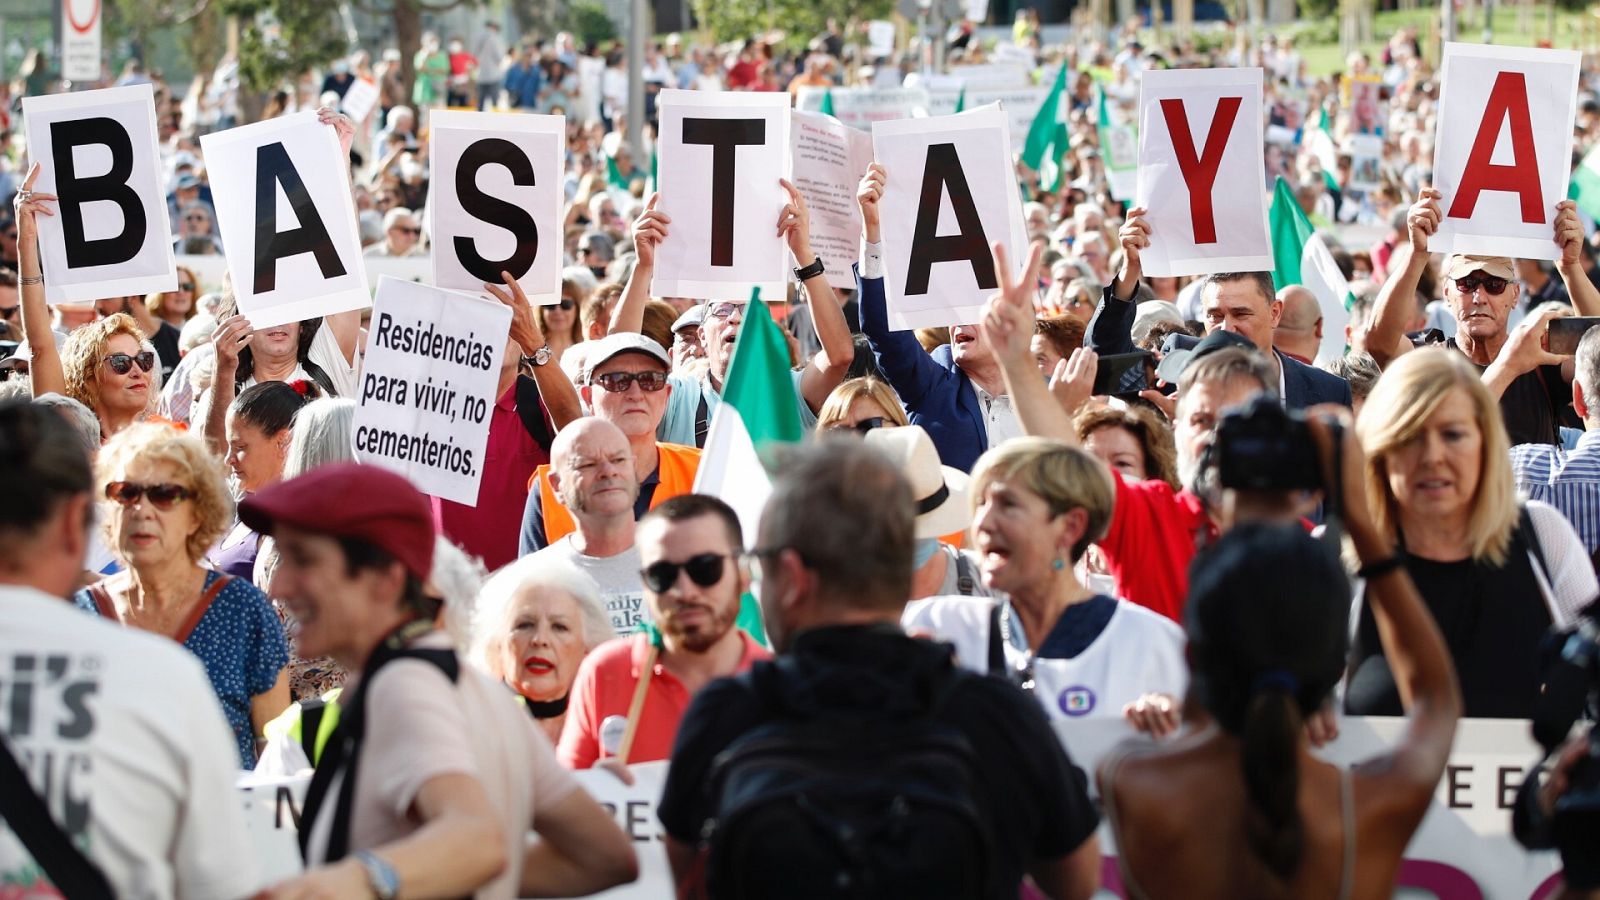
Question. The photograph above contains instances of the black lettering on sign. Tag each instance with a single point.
(1508, 780)
(272, 169)
(1458, 784)
(724, 136)
(494, 210)
(285, 798)
(74, 191)
(943, 172)
(638, 818)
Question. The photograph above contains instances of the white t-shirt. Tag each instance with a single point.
(1136, 653)
(122, 734)
(325, 353)
(420, 726)
(621, 587)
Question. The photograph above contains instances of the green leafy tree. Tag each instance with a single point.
(280, 39)
(589, 23)
(732, 20)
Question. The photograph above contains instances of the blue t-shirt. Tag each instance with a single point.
(241, 643)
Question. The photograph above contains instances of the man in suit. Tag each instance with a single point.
(1238, 302)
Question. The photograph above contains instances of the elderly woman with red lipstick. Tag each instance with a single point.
(536, 619)
(166, 502)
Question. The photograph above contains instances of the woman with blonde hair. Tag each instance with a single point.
(107, 368)
(861, 404)
(1494, 573)
(167, 502)
(561, 324)
(178, 306)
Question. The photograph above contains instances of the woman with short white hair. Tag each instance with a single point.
(535, 621)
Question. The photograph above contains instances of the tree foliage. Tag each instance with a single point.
(589, 23)
(734, 20)
(280, 39)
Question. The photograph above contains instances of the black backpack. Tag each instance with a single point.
(860, 804)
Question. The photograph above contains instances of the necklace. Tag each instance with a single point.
(547, 709)
(1022, 674)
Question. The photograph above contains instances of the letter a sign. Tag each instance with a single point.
(1503, 149)
(1201, 172)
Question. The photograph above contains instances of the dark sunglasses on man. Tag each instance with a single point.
(161, 496)
(1489, 283)
(704, 569)
(617, 382)
(122, 363)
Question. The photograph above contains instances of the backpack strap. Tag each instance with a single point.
(530, 409)
(72, 873)
(965, 583)
(311, 713)
(702, 420)
(997, 651)
(199, 611)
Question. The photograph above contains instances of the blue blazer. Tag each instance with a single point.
(1111, 331)
(937, 394)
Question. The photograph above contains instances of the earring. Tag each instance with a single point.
(1058, 564)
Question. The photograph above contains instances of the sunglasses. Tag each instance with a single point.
(162, 496)
(122, 363)
(1489, 283)
(186, 286)
(566, 303)
(197, 218)
(704, 569)
(406, 230)
(617, 382)
(863, 426)
(723, 310)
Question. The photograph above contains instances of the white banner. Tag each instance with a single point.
(1021, 105)
(282, 193)
(860, 107)
(110, 236)
(880, 39)
(950, 192)
(359, 100)
(1463, 850)
(1503, 149)
(497, 200)
(80, 40)
(429, 385)
(720, 158)
(1201, 172)
(830, 159)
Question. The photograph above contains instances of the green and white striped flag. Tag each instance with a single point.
(1586, 185)
(1300, 257)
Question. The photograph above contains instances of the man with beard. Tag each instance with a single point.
(691, 548)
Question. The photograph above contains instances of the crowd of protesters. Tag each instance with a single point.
(971, 549)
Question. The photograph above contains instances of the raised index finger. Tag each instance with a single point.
(33, 175)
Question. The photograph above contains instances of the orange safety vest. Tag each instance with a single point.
(676, 464)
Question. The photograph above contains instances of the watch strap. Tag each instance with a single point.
(381, 877)
(810, 270)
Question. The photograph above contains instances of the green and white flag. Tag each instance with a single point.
(1119, 152)
(1586, 185)
(1301, 257)
(1318, 139)
(759, 410)
(1047, 136)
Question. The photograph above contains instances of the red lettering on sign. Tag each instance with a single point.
(1508, 98)
(1199, 174)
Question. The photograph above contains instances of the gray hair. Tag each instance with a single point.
(1587, 370)
(82, 419)
(1357, 368)
(321, 434)
(17, 387)
(457, 578)
(537, 570)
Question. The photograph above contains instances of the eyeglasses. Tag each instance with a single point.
(617, 382)
(404, 229)
(122, 363)
(186, 286)
(162, 496)
(197, 218)
(1489, 283)
(863, 426)
(723, 310)
(704, 569)
(566, 303)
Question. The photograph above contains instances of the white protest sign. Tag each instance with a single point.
(359, 99)
(949, 193)
(880, 39)
(272, 808)
(1463, 850)
(719, 160)
(859, 107)
(110, 236)
(1366, 162)
(634, 808)
(1201, 172)
(830, 159)
(429, 384)
(497, 200)
(1503, 149)
(993, 74)
(80, 40)
(1021, 105)
(282, 193)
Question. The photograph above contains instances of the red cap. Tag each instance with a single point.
(351, 500)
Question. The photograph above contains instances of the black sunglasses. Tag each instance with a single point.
(162, 496)
(863, 426)
(1489, 283)
(408, 230)
(617, 382)
(704, 569)
(566, 303)
(122, 363)
(186, 286)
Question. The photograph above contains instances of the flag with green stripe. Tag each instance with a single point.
(1300, 256)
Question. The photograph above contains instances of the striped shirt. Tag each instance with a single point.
(1567, 480)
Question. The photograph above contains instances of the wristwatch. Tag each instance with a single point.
(381, 877)
(811, 271)
(540, 356)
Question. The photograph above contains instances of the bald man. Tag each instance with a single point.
(1299, 331)
(592, 474)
